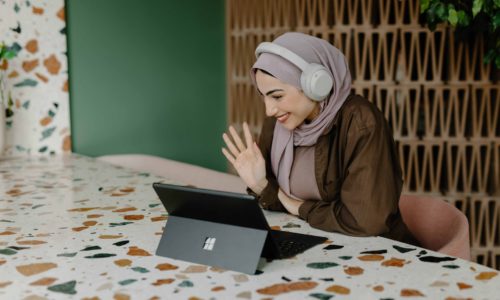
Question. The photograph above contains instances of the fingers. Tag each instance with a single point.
(256, 149)
(230, 145)
(235, 145)
(248, 135)
(228, 156)
(236, 139)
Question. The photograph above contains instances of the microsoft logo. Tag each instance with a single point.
(209, 244)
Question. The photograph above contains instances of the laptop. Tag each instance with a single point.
(223, 229)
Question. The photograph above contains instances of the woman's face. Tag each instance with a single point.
(285, 102)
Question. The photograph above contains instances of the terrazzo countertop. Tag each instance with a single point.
(75, 227)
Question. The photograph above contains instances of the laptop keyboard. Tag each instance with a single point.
(290, 244)
(290, 248)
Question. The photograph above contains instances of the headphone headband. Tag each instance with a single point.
(283, 52)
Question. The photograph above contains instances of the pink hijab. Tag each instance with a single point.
(312, 50)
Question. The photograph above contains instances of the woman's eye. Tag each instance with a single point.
(277, 97)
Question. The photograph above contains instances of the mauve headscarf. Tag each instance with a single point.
(312, 50)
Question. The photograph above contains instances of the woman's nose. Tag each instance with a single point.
(271, 108)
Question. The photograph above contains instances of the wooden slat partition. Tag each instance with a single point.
(442, 102)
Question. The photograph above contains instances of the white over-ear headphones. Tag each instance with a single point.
(315, 80)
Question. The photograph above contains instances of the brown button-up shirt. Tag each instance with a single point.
(357, 174)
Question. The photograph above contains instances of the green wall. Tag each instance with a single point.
(148, 77)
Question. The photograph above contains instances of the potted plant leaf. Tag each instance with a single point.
(469, 18)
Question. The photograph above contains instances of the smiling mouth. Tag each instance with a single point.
(282, 118)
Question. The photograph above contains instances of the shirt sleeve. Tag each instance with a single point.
(370, 187)
(268, 199)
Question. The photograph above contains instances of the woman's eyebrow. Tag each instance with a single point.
(272, 91)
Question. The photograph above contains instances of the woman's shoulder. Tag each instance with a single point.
(362, 112)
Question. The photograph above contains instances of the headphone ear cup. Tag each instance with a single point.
(316, 82)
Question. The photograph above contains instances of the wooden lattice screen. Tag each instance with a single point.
(441, 101)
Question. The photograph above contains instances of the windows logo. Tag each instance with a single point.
(209, 243)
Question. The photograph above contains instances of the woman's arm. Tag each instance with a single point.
(292, 205)
(268, 197)
(252, 166)
(371, 185)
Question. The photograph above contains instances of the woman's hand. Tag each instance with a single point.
(247, 160)
(292, 205)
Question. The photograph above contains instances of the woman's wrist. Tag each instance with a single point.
(291, 205)
(259, 187)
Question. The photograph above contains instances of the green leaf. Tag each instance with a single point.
(463, 18)
(441, 12)
(431, 19)
(489, 56)
(452, 17)
(424, 5)
(12, 51)
(9, 54)
(497, 3)
(495, 21)
(477, 5)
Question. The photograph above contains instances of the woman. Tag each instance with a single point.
(324, 155)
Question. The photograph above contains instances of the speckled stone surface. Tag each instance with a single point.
(36, 87)
(74, 227)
